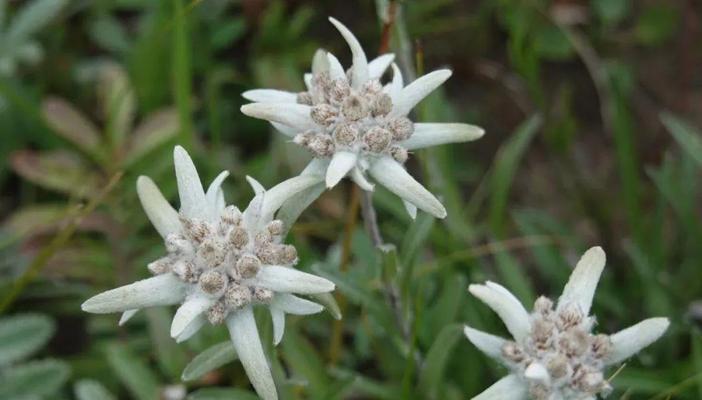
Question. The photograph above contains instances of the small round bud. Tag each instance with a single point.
(211, 252)
(238, 237)
(381, 105)
(237, 296)
(574, 342)
(569, 316)
(543, 305)
(268, 254)
(377, 139)
(538, 391)
(217, 313)
(231, 215)
(354, 108)
(322, 146)
(195, 229)
(262, 295)
(276, 227)
(248, 266)
(185, 270)
(402, 128)
(324, 114)
(177, 243)
(345, 134)
(288, 254)
(557, 366)
(339, 90)
(321, 81)
(160, 266)
(212, 282)
(513, 352)
(304, 98)
(542, 330)
(399, 153)
(303, 139)
(372, 87)
(591, 382)
(601, 346)
(263, 238)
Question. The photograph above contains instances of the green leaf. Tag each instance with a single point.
(506, 163)
(329, 302)
(430, 378)
(657, 24)
(34, 380)
(69, 123)
(689, 139)
(222, 394)
(552, 44)
(209, 360)
(156, 129)
(611, 11)
(169, 354)
(88, 389)
(109, 33)
(132, 372)
(22, 335)
(56, 170)
(32, 18)
(117, 101)
(225, 34)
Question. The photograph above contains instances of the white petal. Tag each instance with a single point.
(359, 70)
(377, 67)
(215, 195)
(393, 176)
(395, 87)
(512, 313)
(336, 71)
(485, 342)
(434, 134)
(418, 90)
(537, 372)
(308, 80)
(289, 280)
(126, 316)
(276, 196)
(161, 214)
(510, 387)
(285, 130)
(270, 96)
(192, 329)
(410, 208)
(188, 312)
(319, 62)
(247, 343)
(291, 114)
(340, 165)
(160, 290)
(255, 185)
(631, 340)
(581, 286)
(294, 206)
(360, 179)
(252, 214)
(296, 305)
(278, 317)
(192, 195)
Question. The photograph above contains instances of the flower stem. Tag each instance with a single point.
(349, 228)
(370, 219)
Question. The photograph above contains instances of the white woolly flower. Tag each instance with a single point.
(554, 354)
(220, 262)
(354, 125)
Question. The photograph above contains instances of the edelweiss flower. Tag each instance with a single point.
(220, 263)
(555, 355)
(355, 125)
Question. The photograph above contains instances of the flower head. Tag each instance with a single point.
(359, 126)
(554, 354)
(219, 263)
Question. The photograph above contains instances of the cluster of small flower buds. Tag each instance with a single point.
(561, 342)
(352, 120)
(217, 259)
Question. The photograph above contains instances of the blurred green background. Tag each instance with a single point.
(592, 110)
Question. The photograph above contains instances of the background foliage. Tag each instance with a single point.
(590, 107)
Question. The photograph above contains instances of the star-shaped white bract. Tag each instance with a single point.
(356, 126)
(554, 355)
(220, 262)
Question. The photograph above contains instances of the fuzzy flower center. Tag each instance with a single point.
(348, 119)
(219, 259)
(561, 358)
